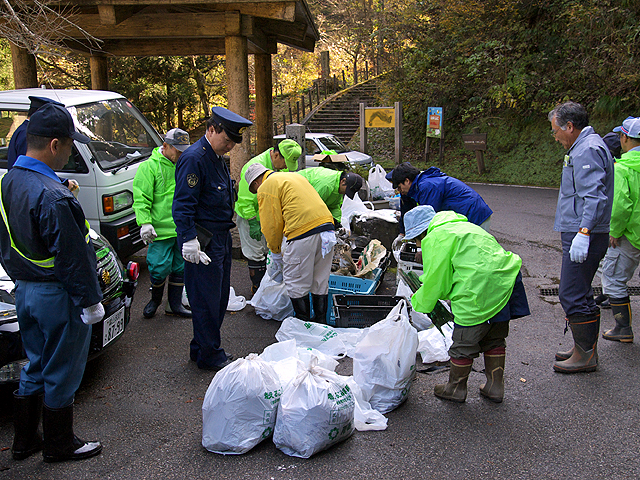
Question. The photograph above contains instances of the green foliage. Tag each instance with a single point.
(6, 71)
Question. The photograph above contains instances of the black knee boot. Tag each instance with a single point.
(157, 290)
(302, 308)
(27, 439)
(621, 308)
(256, 273)
(60, 443)
(174, 297)
(320, 303)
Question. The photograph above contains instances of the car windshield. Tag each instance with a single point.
(333, 143)
(119, 133)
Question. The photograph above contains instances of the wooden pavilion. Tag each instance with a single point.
(234, 28)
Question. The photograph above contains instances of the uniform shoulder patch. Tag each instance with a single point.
(192, 180)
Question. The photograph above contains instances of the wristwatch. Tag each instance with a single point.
(585, 231)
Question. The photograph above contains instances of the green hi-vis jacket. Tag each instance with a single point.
(464, 264)
(625, 213)
(153, 188)
(247, 203)
(326, 182)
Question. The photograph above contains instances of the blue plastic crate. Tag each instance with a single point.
(363, 286)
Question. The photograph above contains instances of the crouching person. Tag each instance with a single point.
(289, 207)
(465, 264)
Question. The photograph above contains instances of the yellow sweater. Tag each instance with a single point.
(289, 206)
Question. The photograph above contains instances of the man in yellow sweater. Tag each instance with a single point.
(299, 231)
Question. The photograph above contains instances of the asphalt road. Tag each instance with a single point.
(143, 397)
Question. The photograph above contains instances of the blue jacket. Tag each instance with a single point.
(18, 144)
(47, 221)
(586, 190)
(442, 192)
(203, 192)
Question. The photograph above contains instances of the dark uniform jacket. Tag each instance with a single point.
(203, 192)
(18, 144)
(47, 221)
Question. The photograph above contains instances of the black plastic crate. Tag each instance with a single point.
(360, 311)
(408, 252)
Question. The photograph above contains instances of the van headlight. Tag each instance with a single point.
(116, 202)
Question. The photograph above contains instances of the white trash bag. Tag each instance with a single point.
(385, 360)
(239, 408)
(315, 412)
(271, 300)
(311, 334)
(419, 320)
(433, 346)
(381, 188)
(236, 302)
(366, 418)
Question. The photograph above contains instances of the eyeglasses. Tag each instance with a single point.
(554, 132)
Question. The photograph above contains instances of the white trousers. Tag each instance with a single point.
(304, 268)
(618, 266)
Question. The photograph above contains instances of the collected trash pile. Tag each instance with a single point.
(291, 392)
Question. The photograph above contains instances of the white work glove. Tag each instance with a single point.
(274, 268)
(191, 252)
(396, 246)
(148, 233)
(92, 314)
(579, 248)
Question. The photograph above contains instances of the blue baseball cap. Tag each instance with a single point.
(37, 102)
(233, 124)
(54, 121)
(417, 220)
(630, 127)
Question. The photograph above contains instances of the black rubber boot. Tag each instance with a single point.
(456, 388)
(27, 439)
(157, 290)
(585, 330)
(621, 309)
(494, 371)
(174, 297)
(302, 308)
(320, 303)
(256, 273)
(60, 443)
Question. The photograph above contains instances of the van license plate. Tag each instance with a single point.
(112, 327)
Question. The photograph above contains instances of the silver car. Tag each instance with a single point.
(320, 142)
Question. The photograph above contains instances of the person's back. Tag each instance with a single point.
(442, 192)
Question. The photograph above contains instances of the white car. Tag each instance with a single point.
(320, 142)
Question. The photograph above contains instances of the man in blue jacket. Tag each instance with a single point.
(582, 218)
(442, 192)
(46, 250)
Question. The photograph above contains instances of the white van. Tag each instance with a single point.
(121, 138)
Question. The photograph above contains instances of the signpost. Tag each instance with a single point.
(382, 117)
(435, 118)
(476, 142)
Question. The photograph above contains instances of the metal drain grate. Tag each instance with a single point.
(551, 292)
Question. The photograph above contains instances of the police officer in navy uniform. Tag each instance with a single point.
(18, 143)
(203, 211)
(46, 250)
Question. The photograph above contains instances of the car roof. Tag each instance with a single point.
(310, 135)
(19, 99)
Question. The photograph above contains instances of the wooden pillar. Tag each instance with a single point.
(264, 102)
(237, 73)
(25, 74)
(99, 65)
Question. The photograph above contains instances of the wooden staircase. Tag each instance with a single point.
(340, 113)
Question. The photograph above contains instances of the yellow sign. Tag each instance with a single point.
(380, 117)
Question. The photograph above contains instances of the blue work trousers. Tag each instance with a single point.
(208, 291)
(575, 292)
(55, 339)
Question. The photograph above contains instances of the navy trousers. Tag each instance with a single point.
(55, 339)
(575, 292)
(208, 291)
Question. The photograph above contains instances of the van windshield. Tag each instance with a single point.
(119, 133)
